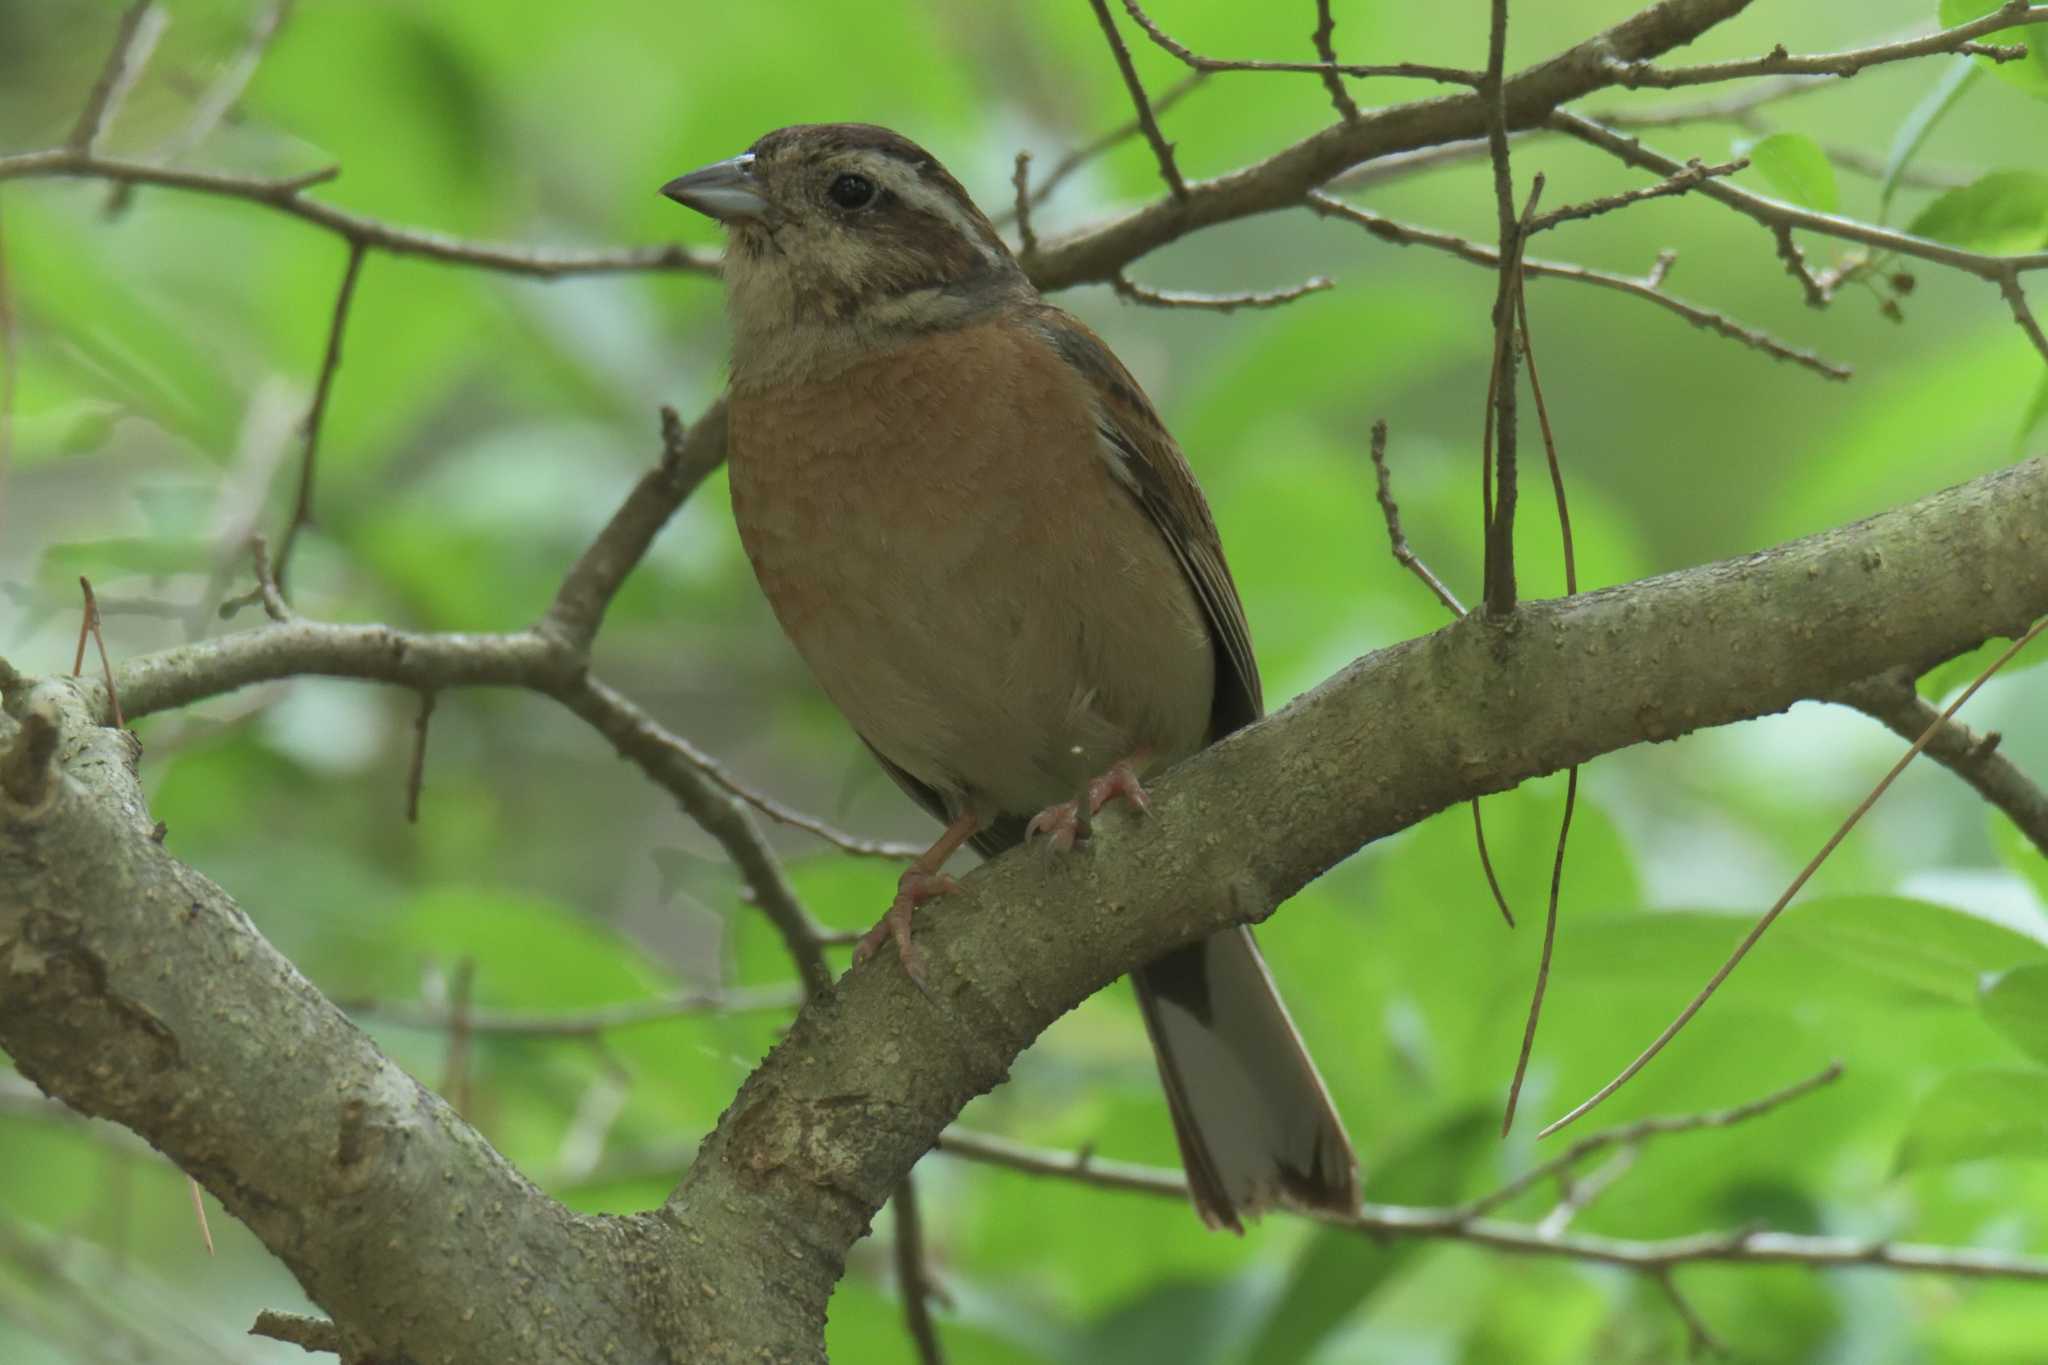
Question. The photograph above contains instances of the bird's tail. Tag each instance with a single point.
(1255, 1122)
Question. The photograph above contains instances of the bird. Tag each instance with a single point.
(996, 563)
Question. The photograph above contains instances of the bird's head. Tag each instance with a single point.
(845, 235)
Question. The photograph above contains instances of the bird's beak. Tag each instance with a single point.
(723, 190)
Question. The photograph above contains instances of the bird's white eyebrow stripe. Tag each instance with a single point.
(908, 185)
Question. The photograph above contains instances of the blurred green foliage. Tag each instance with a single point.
(482, 427)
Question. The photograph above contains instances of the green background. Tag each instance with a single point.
(482, 428)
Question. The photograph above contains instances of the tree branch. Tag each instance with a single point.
(1890, 699)
(133, 988)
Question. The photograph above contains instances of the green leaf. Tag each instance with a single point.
(1935, 952)
(1912, 134)
(1339, 1271)
(2029, 73)
(2000, 213)
(1979, 1113)
(2016, 1003)
(1796, 167)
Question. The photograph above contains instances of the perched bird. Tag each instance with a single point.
(997, 564)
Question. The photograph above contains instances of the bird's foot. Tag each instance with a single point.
(914, 888)
(1068, 821)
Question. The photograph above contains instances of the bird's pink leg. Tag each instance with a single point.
(920, 882)
(1069, 820)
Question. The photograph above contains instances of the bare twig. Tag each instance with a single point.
(1781, 218)
(266, 590)
(1795, 266)
(1693, 172)
(1770, 916)
(287, 195)
(1779, 62)
(1327, 68)
(1020, 212)
(1217, 303)
(141, 25)
(1169, 171)
(1404, 554)
(1582, 1192)
(1891, 700)
(330, 361)
(913, 1278)
(1571, 788)
(1735, 1247)
(1701, 1339)
(1323, 38)
(1088, 151)
(89, 627)
(1500, 897)
(1643, 1130)
(1648, 287)
(688, 455)
(416, 771)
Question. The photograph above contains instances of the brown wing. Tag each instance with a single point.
(1147, 463)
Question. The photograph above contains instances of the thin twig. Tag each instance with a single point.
(1217, 303)
(1404, 554)
(1779, 62)
(141, 25)
(1323, 38)
(1747, 1246)
(913, 1279)
(688, 455)
(1571, 786)
(416, 772)
(1648, 287)
(1781, 217)
(1700, 1339)
(287, 195)
(1582, 1192)
(1161, 148)
(1643, 1130)
(1796, 267)
(330, 361)
(1687, 178)
(1770, 916)
(1088, 151)
(1020, 213)
(89, 625)
(1891, 700)
(1416, 70)
(1500, 897)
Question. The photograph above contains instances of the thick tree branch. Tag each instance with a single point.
(132, 988)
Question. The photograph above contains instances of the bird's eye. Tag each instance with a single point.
(851, 191)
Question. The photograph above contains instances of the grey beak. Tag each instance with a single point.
(723, 190)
